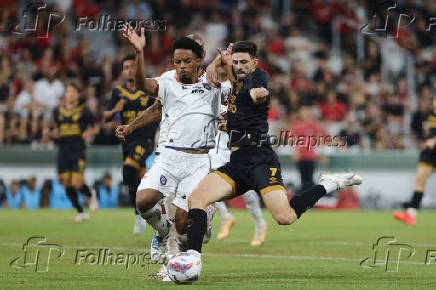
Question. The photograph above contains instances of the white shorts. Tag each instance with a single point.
(219, 157)
(176, 172)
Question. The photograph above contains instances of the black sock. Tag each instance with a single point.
(415, 201)
(307, 199)
(85, 190)
(72, 195)
(197, 226)
(130, 177)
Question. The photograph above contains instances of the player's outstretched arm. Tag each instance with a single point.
(109, 115)
(151, 114)
(149, 86)
(259, 95)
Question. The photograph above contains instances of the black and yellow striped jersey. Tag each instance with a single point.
(432, 120)
(136, 101)
(71, 124)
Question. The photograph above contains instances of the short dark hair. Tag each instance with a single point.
(245, 46)
(126, 58)
(74, 85)
(188, 43)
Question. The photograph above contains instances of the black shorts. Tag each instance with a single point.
(252, 167)
(71, 160)
(428, 157)
(136, 151)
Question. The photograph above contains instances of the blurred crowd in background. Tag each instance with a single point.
(358, 89)
(27, 194)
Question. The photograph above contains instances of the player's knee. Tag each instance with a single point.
(284, 219)
(194, 201)
(141, 201)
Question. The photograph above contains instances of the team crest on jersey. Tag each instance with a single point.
(163, 180)
(207, 86)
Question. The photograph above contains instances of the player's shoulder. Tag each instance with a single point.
(169, 74)
(259, 73)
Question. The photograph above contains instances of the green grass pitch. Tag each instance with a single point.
(323, 250)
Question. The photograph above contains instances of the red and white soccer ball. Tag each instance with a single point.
(184, 268)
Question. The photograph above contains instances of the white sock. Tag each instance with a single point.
(329, 186)
(252, 203)
(223, 211)
(157, 220)
(412, 211)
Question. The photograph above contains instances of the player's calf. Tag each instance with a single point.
(181, 220)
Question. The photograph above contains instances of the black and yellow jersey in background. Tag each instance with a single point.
(71, 124)
(136, 101)
(432, 120)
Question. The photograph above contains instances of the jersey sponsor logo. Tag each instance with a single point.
(207, 86)
(197, 91)
(184, 196)
(163, 180)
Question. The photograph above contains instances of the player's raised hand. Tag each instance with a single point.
(122, 131)
(138, 41)
(226, 55)
(212, 78)
(259, 95)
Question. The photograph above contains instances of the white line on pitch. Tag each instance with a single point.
(257, 256)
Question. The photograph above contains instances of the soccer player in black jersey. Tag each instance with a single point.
(130, 103)
(426, 166)
(74, 127)
(253, 164)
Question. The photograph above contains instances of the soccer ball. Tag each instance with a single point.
(184, 268)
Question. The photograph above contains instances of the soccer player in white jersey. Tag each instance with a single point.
(153, 114)
(190, 107)
(219, 156)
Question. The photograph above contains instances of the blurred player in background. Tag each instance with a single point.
(130, 102)
(75, 127)
(426, 166)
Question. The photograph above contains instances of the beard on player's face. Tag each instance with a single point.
(243, 65)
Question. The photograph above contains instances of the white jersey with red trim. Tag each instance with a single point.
(163, 130)
(190, 112)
